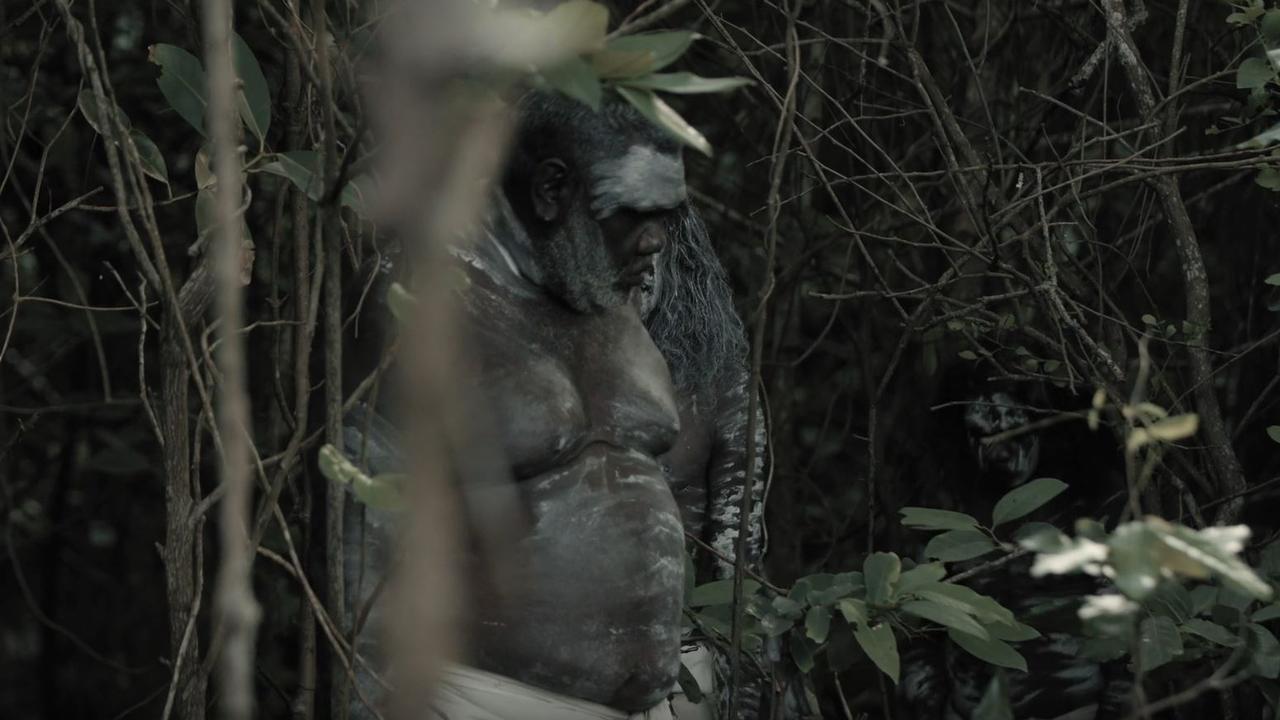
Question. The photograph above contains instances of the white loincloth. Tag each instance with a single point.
(466, 693)
(698, 660)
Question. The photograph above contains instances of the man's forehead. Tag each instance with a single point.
(643, 178)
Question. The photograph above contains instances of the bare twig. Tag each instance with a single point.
(1196, 283)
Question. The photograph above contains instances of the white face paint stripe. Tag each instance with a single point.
(642, 179)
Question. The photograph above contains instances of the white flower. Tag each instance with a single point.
(1096, 606)
(1085, 555)
(1231, 538)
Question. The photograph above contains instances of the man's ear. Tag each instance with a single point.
(549, 189)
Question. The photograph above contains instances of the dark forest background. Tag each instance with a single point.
(926, 198)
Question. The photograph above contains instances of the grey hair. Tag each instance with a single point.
(693, 321)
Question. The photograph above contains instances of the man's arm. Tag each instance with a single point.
(728, 478)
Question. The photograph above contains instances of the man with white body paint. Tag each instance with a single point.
(587, 623)
(590, 613)
(591, 426)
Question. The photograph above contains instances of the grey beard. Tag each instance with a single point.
(576, 268)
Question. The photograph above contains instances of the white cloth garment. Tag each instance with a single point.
(466, 693)
(698, 660)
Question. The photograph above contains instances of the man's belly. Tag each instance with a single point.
(594, 609)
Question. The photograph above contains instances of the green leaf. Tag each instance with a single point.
(1025, 499)
(152, 160)
(825, 588)
(1104, 649)
(254, 102)
(575, 78)
(881, 571)
(1268, 179)
(1041, 537)
(958, 545)
(381, 492)
(945, 615)
(1270, 27)
(1253, 73)
(809, 584)
(1267, 613)
(1264, 661)
(1174, 599)
(611, 64)
(787, 607)
(919, 577)
(881, 646)
(1132, 552)
(92, 112)
(633, 55)
(720, 592)
(817, 623)
(300, 167)
(207, 218)
(1203, 597)
(1011, 632)
(1273, 432)
(1158, 642)
(683, 83)
(994, 704)
(983, 607)
(1262, 139)
(1238, 601)
(336, 467)
(662, 114)
(1212, 632)
(182, 82)
(854, 611)
(990, 650)
(842, 585)
(931, 519)
(1041, 534)
(1274, 281)
(712, 623)
(203, 170)
(802, 652)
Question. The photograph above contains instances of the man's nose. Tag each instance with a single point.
(651, 241)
